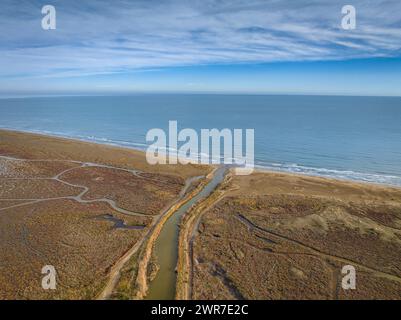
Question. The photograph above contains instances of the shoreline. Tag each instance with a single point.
(94, 165)
(358, 205)
(257, 169)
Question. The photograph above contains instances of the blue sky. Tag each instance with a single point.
(271, 47)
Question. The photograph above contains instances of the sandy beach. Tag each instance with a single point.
(59, 203)
(94, 211)
(282, 236)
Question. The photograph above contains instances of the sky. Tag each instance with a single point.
(226, 46)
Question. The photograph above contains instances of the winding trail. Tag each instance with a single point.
(78, 197)
(190, 235)
(115, 270)
(314, 251)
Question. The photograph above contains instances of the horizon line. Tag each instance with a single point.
(193, 93)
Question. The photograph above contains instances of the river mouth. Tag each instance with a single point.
(166, 246)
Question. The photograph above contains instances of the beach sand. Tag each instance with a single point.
(285, 236)
(263, 236)
(35, 146)
(59, 203)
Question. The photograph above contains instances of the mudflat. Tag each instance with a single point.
(77, 206)
(285, 236)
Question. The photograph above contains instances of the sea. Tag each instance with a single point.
(343, 137)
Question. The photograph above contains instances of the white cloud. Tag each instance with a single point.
(97, 37)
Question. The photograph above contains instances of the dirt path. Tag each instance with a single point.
(78, 197)
(189, 232)
(315, 251)
(189, 228)
(115, 271)
(152, 234)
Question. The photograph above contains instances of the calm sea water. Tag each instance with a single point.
(355, 138)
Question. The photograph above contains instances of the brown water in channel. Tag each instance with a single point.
(166, 247)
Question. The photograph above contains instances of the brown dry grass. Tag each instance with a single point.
(281, 236)
(35, 189)
(145, 193)
(35, 146)
(10, 168)
(67, 235)
(73, 236)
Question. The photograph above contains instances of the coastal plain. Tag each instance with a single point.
(94, 212)
(77, 206)
(284, 236)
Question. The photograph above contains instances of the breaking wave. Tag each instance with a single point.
(332, 173)
(280, 167)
